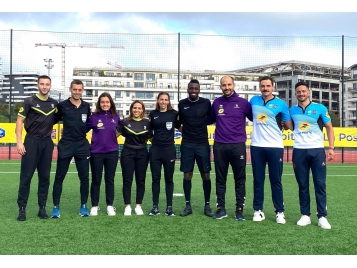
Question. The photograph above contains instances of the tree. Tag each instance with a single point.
(4, 113)
(335, 119)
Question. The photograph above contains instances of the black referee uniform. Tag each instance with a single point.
(162, 152)
(194, 145)
(39, 115)
(73, 144)
(134, 156)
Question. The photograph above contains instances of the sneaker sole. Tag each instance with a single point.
(150, 214)
(326, 228)
(240, 219)
(220, 218)
(55, 217)
(304, 224)
(83, 215)
(185, 214)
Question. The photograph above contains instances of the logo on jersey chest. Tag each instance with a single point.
(84, 118)
(168, 125)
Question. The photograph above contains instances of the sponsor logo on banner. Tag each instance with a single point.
(84, 118)
(169, 125)
(2, 132)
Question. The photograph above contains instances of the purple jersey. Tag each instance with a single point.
(104, 139)
(229, 113)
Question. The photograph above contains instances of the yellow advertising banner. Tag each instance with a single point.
(344, 137)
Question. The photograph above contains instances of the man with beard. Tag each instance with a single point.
(309, 153)
(193, 113)
(229, 112)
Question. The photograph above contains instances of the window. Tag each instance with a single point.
(95, 73)
(88, 83)
(118, 74)
(150, 77)
(144, 95)
(95, 93)
(246, 87)
(109, 74)
(128, 75)
(127, 94)
(89, 93)
(217, 95)
(150, 85)
(169, 85)
(138, 76)
(127, 84)
(171, 95)
(118, 105)
(207, 96)
(82, 73)
(354, 85)
(216, 78)
(169, 76)
(161, 85)
(106, 83)
(255, 88)
(96, 83)
(117, 94)
(160, 76)
(117, 83)
(138, 84)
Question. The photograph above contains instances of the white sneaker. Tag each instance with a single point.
(304, 220)
(258, 216)
(280, 218)
(111, 211)
(127, 211)
(323, 223)
(94, 211)
(139, 210)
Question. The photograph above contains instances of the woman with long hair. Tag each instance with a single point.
(162, 153)
(104, 151)
(134, 156)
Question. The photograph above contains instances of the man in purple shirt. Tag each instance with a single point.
(229, 112)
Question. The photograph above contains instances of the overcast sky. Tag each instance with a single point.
(253, 18)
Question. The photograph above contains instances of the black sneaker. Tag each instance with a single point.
(42, 213)
(186, 211)
(22, 215)
(169, 211)
(239, 215)
(154, 211)
(207, 211)
(220, 214)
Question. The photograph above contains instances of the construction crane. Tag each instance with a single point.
(116, 65)
(64, 45)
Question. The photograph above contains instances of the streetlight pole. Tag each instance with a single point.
(48, 65)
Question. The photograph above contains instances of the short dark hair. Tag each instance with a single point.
(76, 82)
(195, 81)
(43, 77)
(266, 78)
(302, 84)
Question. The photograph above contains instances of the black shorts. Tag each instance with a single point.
(77, 149)
(191, 153)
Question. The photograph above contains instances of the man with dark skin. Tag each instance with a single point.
(193, 113)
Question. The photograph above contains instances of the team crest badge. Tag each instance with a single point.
(84, 118)
(169, 125)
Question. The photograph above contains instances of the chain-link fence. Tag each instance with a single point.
(61, 54)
